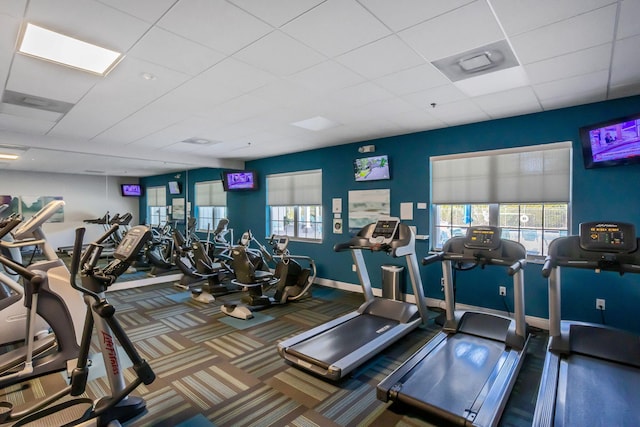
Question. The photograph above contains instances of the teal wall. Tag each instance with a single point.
(607, 193)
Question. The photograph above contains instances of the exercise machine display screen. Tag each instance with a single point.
(607, 237)
(384, 231)
(132, 243)
(483, 238)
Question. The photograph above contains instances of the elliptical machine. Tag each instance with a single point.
(290, 280)
(53, 301)
(118, 406)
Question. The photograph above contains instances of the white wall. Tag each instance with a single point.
(86, 197)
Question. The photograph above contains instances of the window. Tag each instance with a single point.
(525, 191)
(211, 204)
(157, 205)
(295, 204)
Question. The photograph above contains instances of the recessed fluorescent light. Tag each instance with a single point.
(317, 123)
(51, 46)
(9, 156)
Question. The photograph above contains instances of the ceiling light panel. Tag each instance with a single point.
(55, 47)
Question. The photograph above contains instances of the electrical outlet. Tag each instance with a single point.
(353, 267)
(600, 304)
(502, 290)
(442, 284)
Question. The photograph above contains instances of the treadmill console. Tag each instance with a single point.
(384, 231)
(608, 237)
(483, 237)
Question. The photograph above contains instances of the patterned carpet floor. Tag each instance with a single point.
(216, 371)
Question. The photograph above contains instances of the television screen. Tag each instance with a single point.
(239, 180)
(612, 143)
(131, 190)
(371, 168)
(174, 187)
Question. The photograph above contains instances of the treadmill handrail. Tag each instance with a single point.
(431, 258)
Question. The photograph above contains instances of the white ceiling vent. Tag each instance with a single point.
(38, 102)
(199, 141)
(475, 62)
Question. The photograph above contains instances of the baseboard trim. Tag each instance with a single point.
(536, 322)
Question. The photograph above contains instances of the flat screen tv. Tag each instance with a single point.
(371, 168)
(612, 143)
(239, 180)
(175, 187)
(131, 190)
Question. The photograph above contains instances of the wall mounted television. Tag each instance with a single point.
(175, 187)
(131, 190)
(611, 143)
(239, 180)
(371, 168)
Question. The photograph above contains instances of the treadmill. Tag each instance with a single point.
(335, 348)
(591, 373)
(463, 375)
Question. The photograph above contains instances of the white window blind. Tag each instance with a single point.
(295, 189)
(534, 174)
(156, 196)
(210, 193)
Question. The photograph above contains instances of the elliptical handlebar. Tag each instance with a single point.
(36, 278)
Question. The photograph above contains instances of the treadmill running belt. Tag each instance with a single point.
(595, 392)
(332, 345)
(452, 376)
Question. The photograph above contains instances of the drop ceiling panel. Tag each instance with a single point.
(237, 109)
(48, 80)
(279, 54)
(9, 28)
(626, 62)
(147, 10)
(336, 27)
(214, 23)
(13, 8)
(440, 95)
(465, 28)
(142, 123)
(161, 47)
(276, 12)
(575, 63)
(360, 94)
(22, 124)
(412, 80)
(327, 76)
(566, 36)
(503, 104)
(518, 17)
(459, 112)
(417, 120)
(226, 80)
(590, 84)
(381, 57)
(629, 25)
(90, 21)
(400, 14)
(114, 99)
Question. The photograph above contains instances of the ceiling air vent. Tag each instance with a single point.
(38, 102)
(475, 62)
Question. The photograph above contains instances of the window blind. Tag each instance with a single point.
(210, 193)
(156, 196)
(534, 174)
(295, 188)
